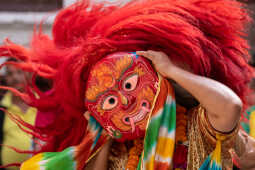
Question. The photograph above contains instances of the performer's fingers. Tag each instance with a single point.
(145, 54)
(235, 158)
(251, 154)
(154, 53)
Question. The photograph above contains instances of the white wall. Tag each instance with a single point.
(18, 26)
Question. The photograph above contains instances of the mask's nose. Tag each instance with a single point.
(123, 98)
(127, 102)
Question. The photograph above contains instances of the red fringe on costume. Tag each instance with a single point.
(207, 35)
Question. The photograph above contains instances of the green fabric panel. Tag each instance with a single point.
(169, 120)
(139, 164)
(59, 160)
(151, 135)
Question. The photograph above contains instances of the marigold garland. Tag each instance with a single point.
(181, 125)
(181, 150)
(134, 154)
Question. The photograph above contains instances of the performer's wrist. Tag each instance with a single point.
(172, 72)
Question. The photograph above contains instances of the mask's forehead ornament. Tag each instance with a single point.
(120, 92)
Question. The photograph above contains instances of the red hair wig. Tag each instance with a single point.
(208, 35)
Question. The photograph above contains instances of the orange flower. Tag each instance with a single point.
(134, 154)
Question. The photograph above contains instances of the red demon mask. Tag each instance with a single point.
(120, 93)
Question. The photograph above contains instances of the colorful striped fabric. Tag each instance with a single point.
(213, 161)
(50, 160)
(160, 135)
(70, 158)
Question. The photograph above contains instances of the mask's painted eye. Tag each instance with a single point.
(110, 102)
(130, 83)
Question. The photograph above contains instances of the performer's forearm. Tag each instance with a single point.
(222, 104)
(102, 157)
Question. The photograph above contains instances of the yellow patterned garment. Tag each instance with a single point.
(13, 136)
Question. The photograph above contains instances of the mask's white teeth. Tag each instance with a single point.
(132, 123)
(141, 114)
(145, 109)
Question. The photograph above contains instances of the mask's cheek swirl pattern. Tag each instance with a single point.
(137, 118)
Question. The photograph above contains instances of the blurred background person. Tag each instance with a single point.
(11, 134)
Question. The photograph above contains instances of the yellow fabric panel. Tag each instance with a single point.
(150, 164)
(32, 164)
(164, 146)
(252, 124)
(13, 136)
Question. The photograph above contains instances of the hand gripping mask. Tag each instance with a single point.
(120, 92)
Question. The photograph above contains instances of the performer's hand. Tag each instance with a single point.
(101, 159)
(159, 59)
(246, 160)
